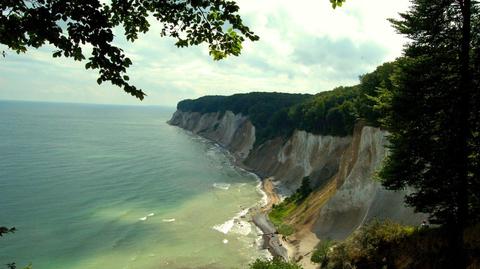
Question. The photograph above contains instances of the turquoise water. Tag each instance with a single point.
(92, 186)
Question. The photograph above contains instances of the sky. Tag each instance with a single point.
(305, 46)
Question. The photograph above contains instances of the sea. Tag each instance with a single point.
(116, 187)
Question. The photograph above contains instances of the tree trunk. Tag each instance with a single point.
(461, 146)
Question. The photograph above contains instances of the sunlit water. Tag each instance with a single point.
(90, 186)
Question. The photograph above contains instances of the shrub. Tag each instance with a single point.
(276, 263)
(281, 211)
(372, 246)
(320, 253)
(285, 229)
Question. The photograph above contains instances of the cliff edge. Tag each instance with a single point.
(341, 172)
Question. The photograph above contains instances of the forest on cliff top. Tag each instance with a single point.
(331, 112)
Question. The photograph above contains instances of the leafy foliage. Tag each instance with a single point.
(432, 113)
(371, 87)
(390, 245)
(320, 253)
(276, 263)
(285, 229)
(369, 247)
(279, 212)
(70, 25)
(337, 3)
(267, 111)
(327, 113)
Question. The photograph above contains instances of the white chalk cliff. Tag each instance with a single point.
(341, 170)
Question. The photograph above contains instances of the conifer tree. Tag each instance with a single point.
(432, 114)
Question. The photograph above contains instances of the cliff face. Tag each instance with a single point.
(234, 132)
(303, 154)
(359, 198)
(341, 170)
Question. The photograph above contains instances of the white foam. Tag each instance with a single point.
(242, 227)
(168, 220)
(264, 200)
(222, 186)
(235, 224)
(146, 217)
(225, 241)
(242, 213)
(225, 227)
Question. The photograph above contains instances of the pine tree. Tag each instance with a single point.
(432, 114)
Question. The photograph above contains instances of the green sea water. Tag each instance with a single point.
(93, 186)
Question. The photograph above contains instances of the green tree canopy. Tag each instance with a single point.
(332, 112)
(69, 25)
(267, 111)
(432, 114)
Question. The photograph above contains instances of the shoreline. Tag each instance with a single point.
(276, 245)
(272, 241)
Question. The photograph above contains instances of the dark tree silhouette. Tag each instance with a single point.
(69, 25)
(432, 114)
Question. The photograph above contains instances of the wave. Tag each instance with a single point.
(222, 186)
(264, 200)
(168, 220)
(235, 225)
(147, 216)
(225, 227)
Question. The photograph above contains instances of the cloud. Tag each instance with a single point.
(305, 46)
(340, 59)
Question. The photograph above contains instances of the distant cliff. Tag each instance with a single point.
(332, 138)
(341, 170)
(232, 131)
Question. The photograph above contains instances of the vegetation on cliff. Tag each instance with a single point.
(429, 102)
(385, 244)
(267, 111)
(276, 263)
(281, 211)
(279, 114)
(432, 113)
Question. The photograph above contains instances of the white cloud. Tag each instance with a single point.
(305, 46)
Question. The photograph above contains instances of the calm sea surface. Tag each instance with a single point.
(93, 186)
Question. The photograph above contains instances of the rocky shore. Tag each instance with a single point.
(340, 169)
(272, 240)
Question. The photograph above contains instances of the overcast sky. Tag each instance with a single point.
(305, 47)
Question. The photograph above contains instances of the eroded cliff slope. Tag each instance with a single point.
(341, 170)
